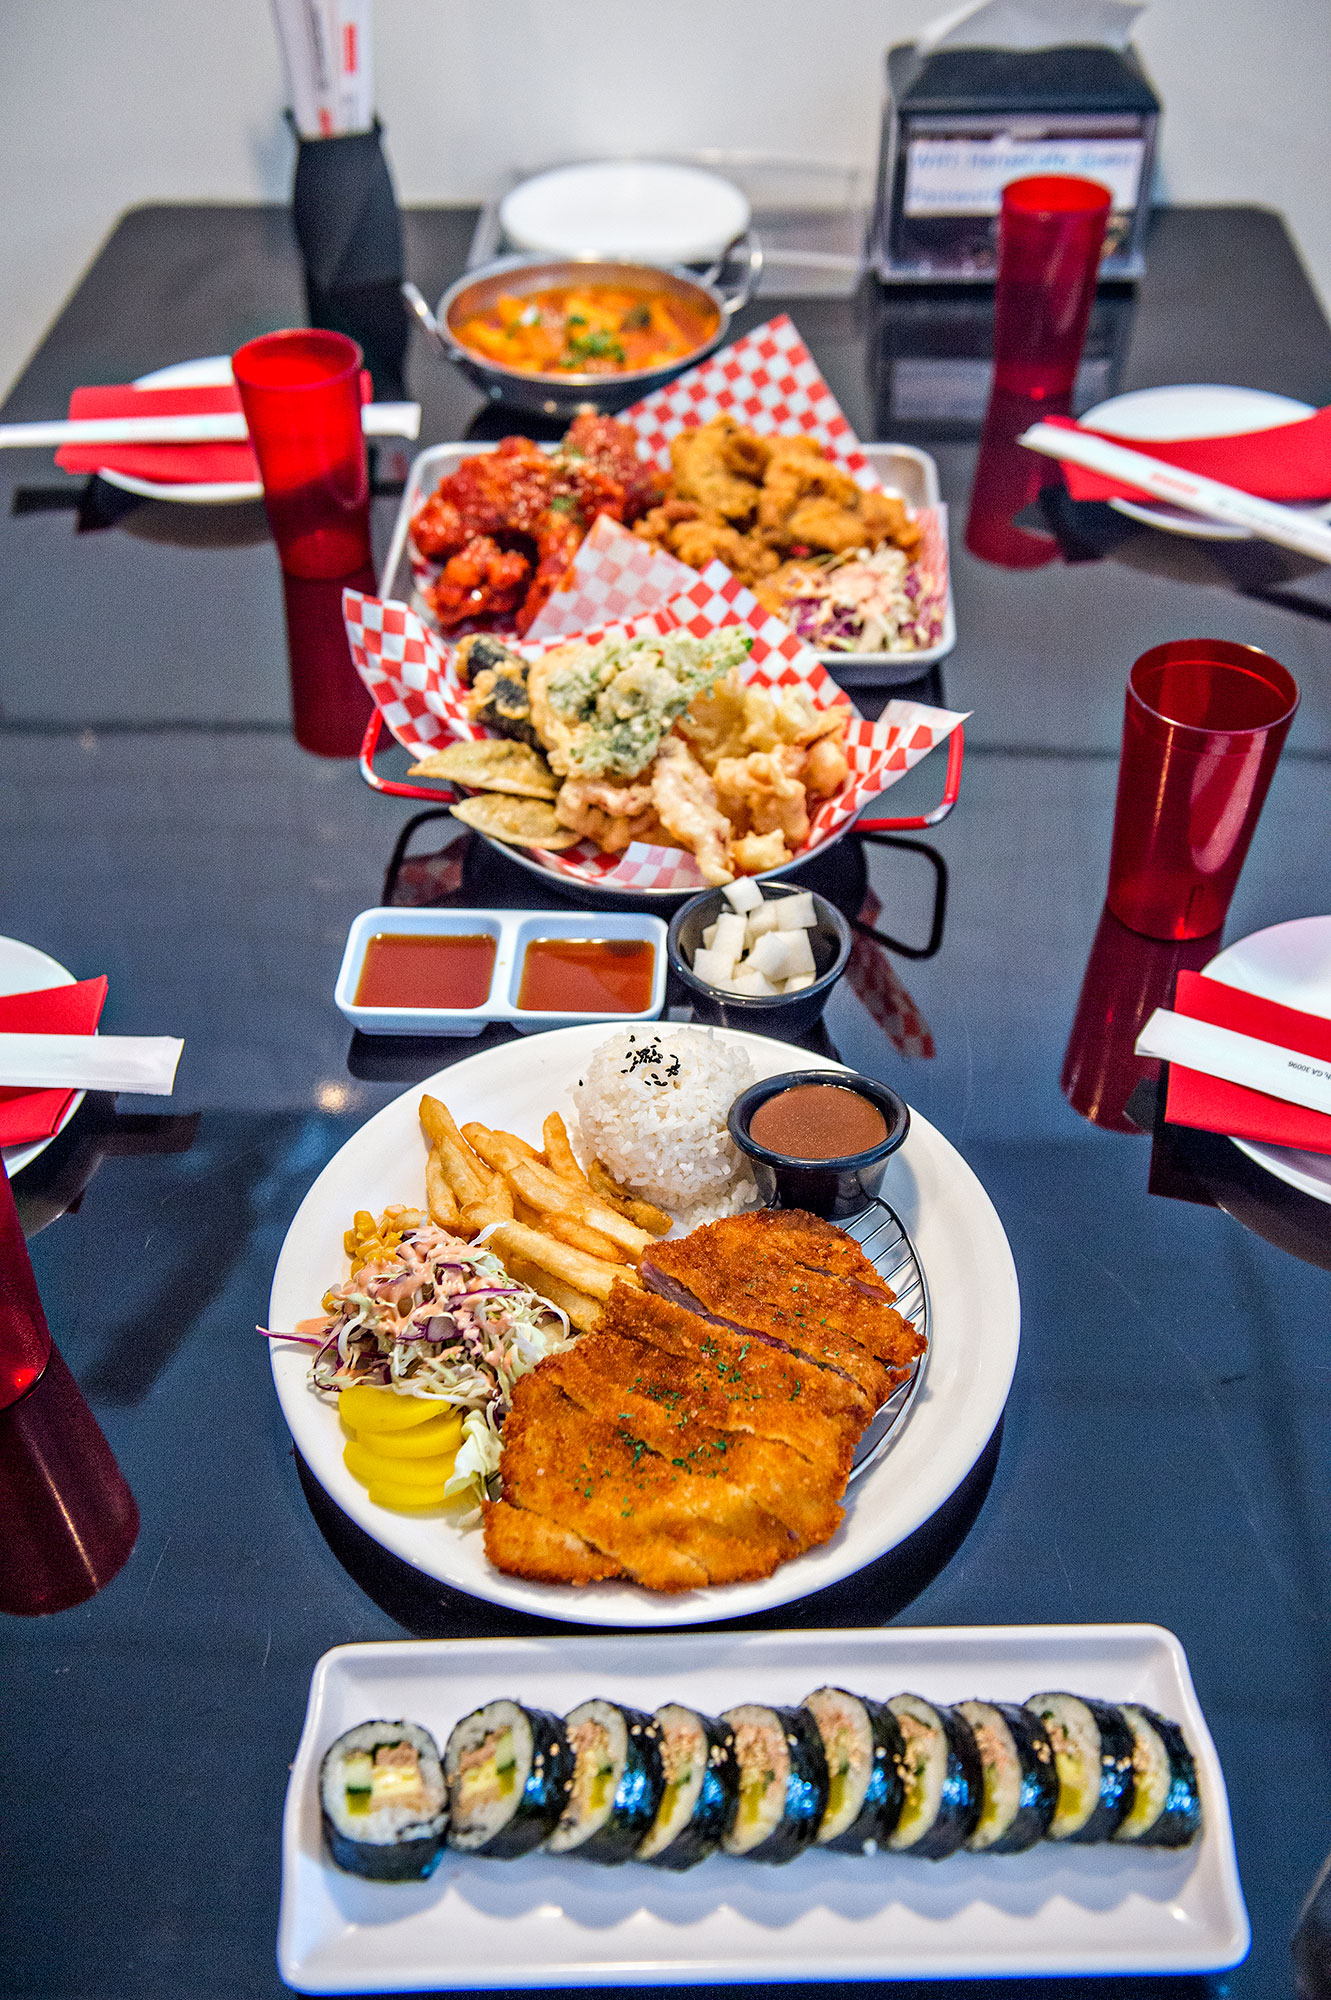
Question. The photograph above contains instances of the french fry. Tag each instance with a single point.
(559, 1152)
(644, 1213)
(498, 1149)
(541, 1189)
(443, 1202)
(569, 1230)
(521, 1213)
(560, 1260)
(584, 1313)
(466, 1176)
(494, 1205)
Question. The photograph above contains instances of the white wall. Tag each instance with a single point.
(108, 103)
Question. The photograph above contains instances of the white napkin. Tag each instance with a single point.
(145, 1064)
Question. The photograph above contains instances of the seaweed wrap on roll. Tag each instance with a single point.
(782, 1782)
(616, 1786)
(1166, 1807)
(944, 1780)
(508, 1771)
(866, 1766)
(701, 1791)
(1019, 1779)
(382, 1801)
(1093, 1752)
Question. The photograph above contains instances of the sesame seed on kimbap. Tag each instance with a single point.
(866, 1762)
(1020, 1782)
(1093, 1751)
(382, 1801)
(701, 1791)
(944, 1780)
(616, 1786)
(1166, 1808)
(508, 1770)
(782, 1782)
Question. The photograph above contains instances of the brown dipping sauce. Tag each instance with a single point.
(818, 1121)
(422, 969)
(587, 976)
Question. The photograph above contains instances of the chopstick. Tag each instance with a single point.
(220, 427)
(142, 1063)
(1236, 1058)
(1208, 497)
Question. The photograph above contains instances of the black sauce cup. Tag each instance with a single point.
(781, 1014)
(834, 1189)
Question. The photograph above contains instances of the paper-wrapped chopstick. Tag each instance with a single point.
(1236, 1058)
(1264, 518)
(142, 1063)
(216, 427)
(326, 49)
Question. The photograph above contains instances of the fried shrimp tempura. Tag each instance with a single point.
(611, 815)
(762, 793)
(686, 803)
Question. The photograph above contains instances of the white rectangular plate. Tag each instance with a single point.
(559, 1922)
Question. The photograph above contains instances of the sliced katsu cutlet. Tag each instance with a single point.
(739, 1271)
(663, 1402)
(667, 1527)
(529, 1545)
(742, 1384)
(820, 1246)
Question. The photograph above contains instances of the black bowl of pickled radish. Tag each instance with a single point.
(784, 1011)
(819, 1139)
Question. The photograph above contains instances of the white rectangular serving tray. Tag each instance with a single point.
(512, 931)
(548, 1921)
(902, 468)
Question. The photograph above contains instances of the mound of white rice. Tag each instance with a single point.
(652, 1108)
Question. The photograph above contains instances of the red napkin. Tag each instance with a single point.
(55, 1010)
(1290, 463)
(1212, 1105)
(171, 464)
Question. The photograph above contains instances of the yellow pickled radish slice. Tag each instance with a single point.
(407, 1499)
(367, 1466)
(367, 1407)
(431, 1440)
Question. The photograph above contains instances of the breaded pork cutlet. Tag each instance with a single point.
(529, 1545)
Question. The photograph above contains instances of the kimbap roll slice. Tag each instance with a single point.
(508, 1771)
(617, 1783)
(1020, 1781)
(382, 1801)
(1093, 1751)
(782, 1782)
(701, 1791)
(944, 1780)
(866, 1767)
(1166, 1807)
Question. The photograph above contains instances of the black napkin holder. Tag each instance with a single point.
(350, 235)
(959, 123)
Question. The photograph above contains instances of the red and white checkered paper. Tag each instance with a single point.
(411, 677)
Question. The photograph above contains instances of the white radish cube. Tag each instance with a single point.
(753, 984)
(715, 967)
(709, 937)
(798, 981)
(763, 919)
(744, 894)
(729, 934)
(795, 913)
(782, 954)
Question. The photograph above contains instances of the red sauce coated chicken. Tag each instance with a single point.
(507, 524)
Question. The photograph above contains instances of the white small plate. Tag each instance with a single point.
(974, 1319)
(213, 372)
(550, 1921)
(24, 969)
(637, 211)
(1290, 963)
(1193, 410)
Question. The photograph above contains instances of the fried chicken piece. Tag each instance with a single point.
(755, 853)
(611, 815)
(798, 467)
(655, 526)
(887, 519)
(504, 491)
(819, 1245)
(480, 581)
(820, 523)
(525, 1544)
(762, 793)
(698, 543)
(558, 538)
(598, 458)
(747, 454)
(698, 459)
(438, 529)
(686, 804)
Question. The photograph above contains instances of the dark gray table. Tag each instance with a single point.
(1165, 1450)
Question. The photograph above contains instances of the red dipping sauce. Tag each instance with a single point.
(587, 976)
(818, 1121)
(426, 969)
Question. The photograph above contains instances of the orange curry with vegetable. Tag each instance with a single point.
(587, 330)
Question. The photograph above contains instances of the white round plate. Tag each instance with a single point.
(1290, 963)
(24, 969)
(209, 373)
(1192, 410)
(974, 1322)
(640, 211)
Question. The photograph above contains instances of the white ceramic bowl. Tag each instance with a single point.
(645, 211)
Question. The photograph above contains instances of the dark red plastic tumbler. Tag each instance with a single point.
(1050, 233)
(302, 399)
(1206, 721)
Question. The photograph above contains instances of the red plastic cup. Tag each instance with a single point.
(1050, 233)
(302, 401)
(330, 703)
(1205, 723)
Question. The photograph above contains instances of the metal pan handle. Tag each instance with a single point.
(750, 249)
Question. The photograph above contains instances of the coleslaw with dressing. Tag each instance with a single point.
(866, 601)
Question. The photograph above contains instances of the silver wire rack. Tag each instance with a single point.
(882, 1236)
